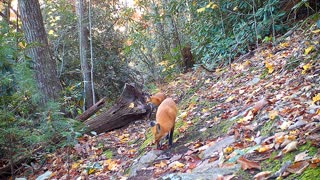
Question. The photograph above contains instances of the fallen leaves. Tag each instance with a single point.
(290, 147)
(262, 175)
(265, 148)
(298, 167)
(316, 98)
(259, 105)
(308, 50)
(247, 164)
(301, 156)
(270, 67)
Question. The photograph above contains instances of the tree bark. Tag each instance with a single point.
(92, 110)
(130, 107)
(83, 45)
(44, 65)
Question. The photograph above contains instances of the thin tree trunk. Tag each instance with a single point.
(83, 44)
(44, 65)
(91, 55)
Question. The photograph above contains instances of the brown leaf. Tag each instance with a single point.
(247, 164)
(315, 160)
(298, 167)
(259, 105)
(262, 175)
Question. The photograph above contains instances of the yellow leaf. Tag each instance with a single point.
(51, 32)
(284, 45)
(316, 98)
(270, 67)
(230, 98)
(308, 50)
(235, 8)
(209, 5)
(285, 125)
(216, 119)
(247, 63)
(183, 115)
(273, 114)
(162, 164)
(318, 112)
(265, 148)
(316, 31)
(22, 44)
(91, 171)
(131, 105)
(228, 149)
(307, 66)
(163, 63)
(214, 6)
(75, 165)
(112, 164)
(207, 81)
(201, 9)
(205, 110)
(249, 139)
(178, 165)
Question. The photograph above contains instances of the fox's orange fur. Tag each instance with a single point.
(165, 121)
(157, 98)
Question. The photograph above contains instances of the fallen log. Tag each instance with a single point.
(92, 110)
(130, 107)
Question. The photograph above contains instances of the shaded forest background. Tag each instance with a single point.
(97, 46)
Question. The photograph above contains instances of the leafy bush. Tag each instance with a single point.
(24, 125)
(227, 29)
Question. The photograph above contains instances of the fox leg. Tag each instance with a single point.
(171, 136)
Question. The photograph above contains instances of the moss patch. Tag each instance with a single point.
(241, 174)
(149, 139)
(267, 128)
(308, 147)
(310, 173)
(108, 153)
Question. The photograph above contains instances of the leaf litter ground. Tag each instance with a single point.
(269, 103)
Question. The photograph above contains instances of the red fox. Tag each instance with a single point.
(157, 98)
(155, 101)
(165, 121)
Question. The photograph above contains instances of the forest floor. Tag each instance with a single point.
(263, 112)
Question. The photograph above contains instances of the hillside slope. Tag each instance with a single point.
(258, 117)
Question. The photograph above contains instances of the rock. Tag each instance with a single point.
(206, 165)
(298, 124)
(218, 146)
(44, 176)
(208, 174)
(254, 81)
(144, 162)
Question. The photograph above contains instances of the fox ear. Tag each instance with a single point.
(158, 128)
(152, 123)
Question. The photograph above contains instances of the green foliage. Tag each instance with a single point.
(24, 125)
(111, 69)
(232, 27)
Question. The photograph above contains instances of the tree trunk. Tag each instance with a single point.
(83, 44)
(44, 65)
(130, 107)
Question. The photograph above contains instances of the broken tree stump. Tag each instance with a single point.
(130, 107)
